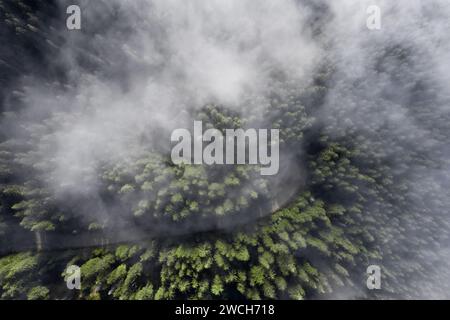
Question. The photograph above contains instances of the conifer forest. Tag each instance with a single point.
(91, 92)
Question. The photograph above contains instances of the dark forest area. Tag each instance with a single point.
(86, 177)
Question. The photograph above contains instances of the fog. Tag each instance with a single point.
(139, 69)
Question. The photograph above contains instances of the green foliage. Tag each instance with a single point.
(38, 293)
(357, 206)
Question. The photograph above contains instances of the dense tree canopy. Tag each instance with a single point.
(168, 231)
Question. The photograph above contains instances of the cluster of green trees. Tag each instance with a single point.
(369, 195)
(261, 260)
(152, 187)
(354, 211)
